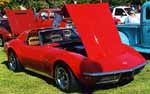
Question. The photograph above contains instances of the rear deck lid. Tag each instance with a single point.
(96, 28)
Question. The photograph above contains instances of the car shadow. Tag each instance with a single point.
(90, 90)
(28, 72)
(146, 56)
(83, 90)
(5, 63)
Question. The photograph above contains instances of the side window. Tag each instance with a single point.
(33, 39)
(148, 13)
(120, 12)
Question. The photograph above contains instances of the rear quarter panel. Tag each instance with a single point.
(71, 59)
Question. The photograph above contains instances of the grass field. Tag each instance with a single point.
(32, 83)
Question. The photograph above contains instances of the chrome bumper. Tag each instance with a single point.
(98, 74)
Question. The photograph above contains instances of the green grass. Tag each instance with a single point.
(30, 83)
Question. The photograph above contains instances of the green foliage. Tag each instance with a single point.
(37, 4)
(58, 3)
(3, 2)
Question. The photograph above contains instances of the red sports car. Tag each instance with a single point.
(90, 54)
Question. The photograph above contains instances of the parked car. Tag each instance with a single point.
(21, 20)
(137, 35)
(82, 55)
(121, 12)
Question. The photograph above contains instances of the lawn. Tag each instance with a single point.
(32, 83)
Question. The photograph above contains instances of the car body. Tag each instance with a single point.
(85, 54)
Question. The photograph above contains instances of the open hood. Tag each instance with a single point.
(20, 20)
(96, 28)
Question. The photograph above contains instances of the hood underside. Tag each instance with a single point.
(100, 37)
(96, 28)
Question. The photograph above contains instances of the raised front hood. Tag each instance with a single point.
(100, 37)
(96, 28)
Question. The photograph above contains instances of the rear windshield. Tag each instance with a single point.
(58, 36)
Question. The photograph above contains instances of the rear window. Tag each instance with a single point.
(119, 12)
(148, 13)
(57, 36)
(128, 10)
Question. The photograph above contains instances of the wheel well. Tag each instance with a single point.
(10, 50)
(61, 63)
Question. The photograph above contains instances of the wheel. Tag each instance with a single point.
(13, 62)
(65, 80)
(1, 41)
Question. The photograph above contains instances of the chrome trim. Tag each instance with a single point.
(113, 72)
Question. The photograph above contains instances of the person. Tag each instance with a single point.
(132, 18)
(57, 19)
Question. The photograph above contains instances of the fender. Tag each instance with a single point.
(13, 47)
(74, 63)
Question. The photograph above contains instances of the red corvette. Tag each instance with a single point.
(91, 54)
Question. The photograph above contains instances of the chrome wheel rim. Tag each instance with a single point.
(62, 78)
(12, 62)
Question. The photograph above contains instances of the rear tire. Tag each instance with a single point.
(65, 80)
(1, 41)
(13, 62)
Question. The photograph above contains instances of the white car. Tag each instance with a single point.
(121, 12)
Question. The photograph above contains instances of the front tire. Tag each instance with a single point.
(1, 41)
(13, 62)
(65, 80)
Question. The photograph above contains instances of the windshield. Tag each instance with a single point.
(128, 10)
(58, 36)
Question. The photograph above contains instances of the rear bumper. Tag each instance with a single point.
(132, 70)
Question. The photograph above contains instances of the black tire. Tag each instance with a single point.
(1, 41)
(65, 80)
(13, 62)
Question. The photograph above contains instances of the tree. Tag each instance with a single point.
(3, 2)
